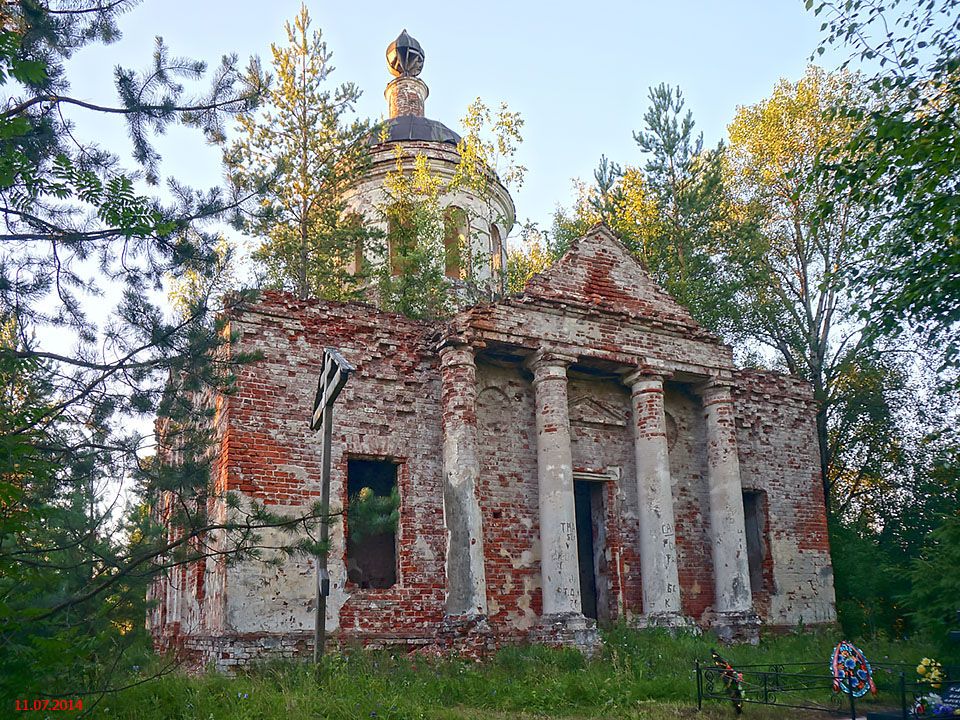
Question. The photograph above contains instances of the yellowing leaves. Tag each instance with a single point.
(774, 144)
(489, 145)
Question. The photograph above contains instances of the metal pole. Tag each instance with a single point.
(699, 687)
(323, 579)
(903, 695)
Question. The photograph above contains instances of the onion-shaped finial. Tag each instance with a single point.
(405, 56)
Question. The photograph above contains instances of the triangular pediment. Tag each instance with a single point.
(588, 411)
(598, 271)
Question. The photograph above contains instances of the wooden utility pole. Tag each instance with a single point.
(333, 376)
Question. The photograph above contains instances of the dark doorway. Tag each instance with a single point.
(754, 520)
(583, 504)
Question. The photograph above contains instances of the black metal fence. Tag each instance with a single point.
(810, 686)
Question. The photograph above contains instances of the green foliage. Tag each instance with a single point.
(296, 158)
(738, 236)
(903, 163)
(488, 150)
(88, 353)
(671, 213)
(933, 598)
(800, 308)
(413, 282)
(898, 172)
(869, 579)
(680, 239)
(530, 258)
(646, 675)
(369, 514)
(205, 284)
(871, 441)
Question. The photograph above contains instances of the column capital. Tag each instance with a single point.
(457, 353)
(644, 378)
(546, 358)
(716, 390)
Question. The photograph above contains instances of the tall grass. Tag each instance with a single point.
(638, 674)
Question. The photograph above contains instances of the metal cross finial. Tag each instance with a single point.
(334, 374)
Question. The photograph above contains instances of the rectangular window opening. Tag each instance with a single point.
(373, 512)
(755, 523)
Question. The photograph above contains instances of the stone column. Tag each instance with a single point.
(562, 621)
(658, 549)
(466, 580)
(559, 564)
(733, 603)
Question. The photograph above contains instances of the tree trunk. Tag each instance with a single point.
(823, 440)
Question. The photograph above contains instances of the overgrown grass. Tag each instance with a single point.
(648, 674)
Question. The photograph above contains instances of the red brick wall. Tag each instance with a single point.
(388, 410)
(686, 436)
(776, 436)
(509, 500)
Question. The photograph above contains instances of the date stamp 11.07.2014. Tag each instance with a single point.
(47, 704)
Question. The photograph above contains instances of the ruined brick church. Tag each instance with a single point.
(576, 455)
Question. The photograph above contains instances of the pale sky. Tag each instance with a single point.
(577, 72)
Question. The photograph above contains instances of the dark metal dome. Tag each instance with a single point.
(413, 127)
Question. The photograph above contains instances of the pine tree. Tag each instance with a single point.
(671, 212)
(88, 353)
(298, 157)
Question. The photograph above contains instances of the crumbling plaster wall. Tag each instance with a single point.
(777, 441)
(508, 498)
(388, 411)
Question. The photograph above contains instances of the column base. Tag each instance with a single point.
(469, 634)
(667, 620)
(736, 626)
(567, 630)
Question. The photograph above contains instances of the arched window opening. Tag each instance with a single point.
(353, 222)
(393, 241)
(454, 241)
(496, 251)
(401, 236)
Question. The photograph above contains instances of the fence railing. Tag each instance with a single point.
(808, 686)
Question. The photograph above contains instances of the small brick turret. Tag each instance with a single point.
(406, 96)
